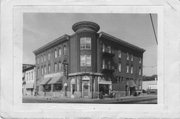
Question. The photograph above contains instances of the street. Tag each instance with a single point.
(147, 99)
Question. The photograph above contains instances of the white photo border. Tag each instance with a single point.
(11, 63)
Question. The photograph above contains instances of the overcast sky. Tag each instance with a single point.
(41, 28)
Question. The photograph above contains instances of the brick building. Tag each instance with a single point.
(88, 62)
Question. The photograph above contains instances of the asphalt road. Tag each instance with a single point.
(128, 100)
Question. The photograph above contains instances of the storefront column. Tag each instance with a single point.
(51, 87)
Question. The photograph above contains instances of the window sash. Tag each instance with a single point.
(85, 60)
(85, 43)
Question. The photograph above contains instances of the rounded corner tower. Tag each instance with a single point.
(85, 26)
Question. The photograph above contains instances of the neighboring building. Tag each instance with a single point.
(149, 82)
(86, 63)
(28, 79)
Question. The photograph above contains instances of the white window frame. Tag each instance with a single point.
(85, 43)
(84, 60)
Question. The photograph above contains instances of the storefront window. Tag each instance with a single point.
(58, 87)
(85, 43)
(47, 88)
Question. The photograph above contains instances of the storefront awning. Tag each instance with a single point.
(45, 80)
(29, 85)
(105, 82)
(131, 83)
(55, 80)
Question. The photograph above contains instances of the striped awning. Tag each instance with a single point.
(45, 80)
(56, 80)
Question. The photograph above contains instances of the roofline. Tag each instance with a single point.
(52, 43)
(121, 42)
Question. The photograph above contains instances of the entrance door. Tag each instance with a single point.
(85, 89)
(104, 89)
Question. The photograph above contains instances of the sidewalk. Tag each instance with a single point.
(127, 99)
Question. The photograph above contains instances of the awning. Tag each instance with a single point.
(45, 80)
(29, 85)
(54, 80)
(131, 83)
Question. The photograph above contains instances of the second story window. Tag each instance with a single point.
(64, 50)
(55, 67)
(49, 68)
(131, 69)
(119, 54)
(140, 60)
(60, 66)
(85, 43)
(127, 56)
(45, 70)
(127, 68)
(119, 67)
(85, 60)
(55, 53)
(103, 64)
(109, 49)
(140, 71)
(132, 58)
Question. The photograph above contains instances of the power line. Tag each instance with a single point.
(153, 27)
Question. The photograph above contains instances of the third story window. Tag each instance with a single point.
(140, 60)
(119, 53)
(131, 69)
(85, 43)
(127, 56)
(59, 52)
(55, 53)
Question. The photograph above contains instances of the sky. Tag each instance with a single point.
(41, 28)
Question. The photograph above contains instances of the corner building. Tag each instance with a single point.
(87, 63)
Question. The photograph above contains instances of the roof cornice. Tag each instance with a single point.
(124, 43)
(63, 38)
